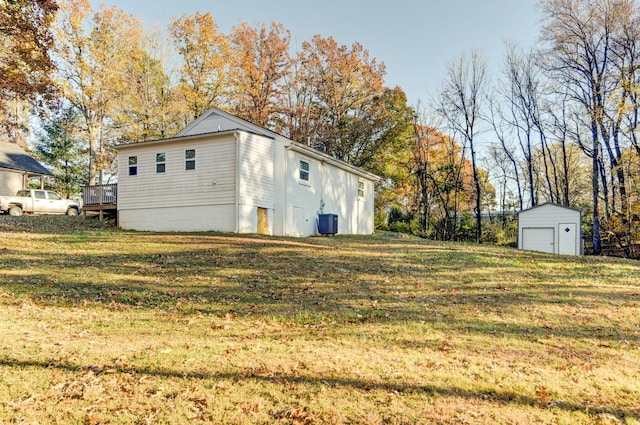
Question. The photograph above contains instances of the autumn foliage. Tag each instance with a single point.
(26, 37)
(125, 85)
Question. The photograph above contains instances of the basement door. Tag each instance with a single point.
(263, 221)
(538, 239)
(567, 234)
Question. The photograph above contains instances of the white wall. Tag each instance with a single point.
(219, 218)
(555, 217)
(329, 190)
(10, 182)
(256, 181)
(232, 179)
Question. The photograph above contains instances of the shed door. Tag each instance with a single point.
(567, 235)
(538, 239)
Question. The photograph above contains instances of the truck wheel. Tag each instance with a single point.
(15, 211)
(72, 212)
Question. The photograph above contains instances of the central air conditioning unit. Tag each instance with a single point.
(328, 224)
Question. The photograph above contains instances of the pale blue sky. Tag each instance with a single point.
(416, 39)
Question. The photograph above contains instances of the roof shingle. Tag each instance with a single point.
(13, 157)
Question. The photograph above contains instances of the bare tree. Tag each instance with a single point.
(504, 155)
(461, 105)
(579, 35)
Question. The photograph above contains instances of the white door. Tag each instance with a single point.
(298, 222)
(567, 235)
(538, 239)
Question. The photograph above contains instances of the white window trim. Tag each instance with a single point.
(307, 181)
(187, 160)
(161, 162)
(130, 166)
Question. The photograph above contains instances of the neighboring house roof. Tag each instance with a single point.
(219, 122)
(549, 204)
(13, 157)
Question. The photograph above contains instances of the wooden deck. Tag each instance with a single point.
(102, 198)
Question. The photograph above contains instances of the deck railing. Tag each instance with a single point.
(102, 194)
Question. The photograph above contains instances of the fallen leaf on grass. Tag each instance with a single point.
(543, 394)
(295, 416)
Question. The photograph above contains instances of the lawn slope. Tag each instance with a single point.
(104, 326)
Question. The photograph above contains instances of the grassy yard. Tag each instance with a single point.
(99, 326)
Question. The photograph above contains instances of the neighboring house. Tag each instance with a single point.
(222, 173)
(16, 168)
(550, 228)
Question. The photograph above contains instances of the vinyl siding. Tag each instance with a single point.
(211, 183)
(257, 171)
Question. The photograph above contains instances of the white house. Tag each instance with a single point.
(16, 168)
(550, 228)
(222, 173)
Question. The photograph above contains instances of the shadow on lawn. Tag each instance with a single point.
(339, 382)
(348, 278)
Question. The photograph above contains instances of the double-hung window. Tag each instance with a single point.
(133, 165)
(360, 189)
(190, 159)
(161, 164)
(304, 171)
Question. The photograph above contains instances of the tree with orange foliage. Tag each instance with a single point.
(444, 182)
(25, 42)
(261, 62)
(461, 104)
(205, 58)
(93, 50)
(333, 88)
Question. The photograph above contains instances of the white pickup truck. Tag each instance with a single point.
(38, 202)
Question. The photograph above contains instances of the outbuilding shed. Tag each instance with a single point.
(550, 228)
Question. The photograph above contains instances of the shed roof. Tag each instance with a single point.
(549, 204)
(13, 157)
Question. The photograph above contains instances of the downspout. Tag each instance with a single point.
(285, 205)
(322, 186)
(322, 204)
(237, 202)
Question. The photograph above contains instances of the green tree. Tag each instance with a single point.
(58, 148)
(149, 108)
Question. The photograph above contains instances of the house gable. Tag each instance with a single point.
(216, 120)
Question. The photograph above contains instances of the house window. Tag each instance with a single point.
(360, 189)
(304, 171)
(160, 162)
(190, 159)
(133, 165)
